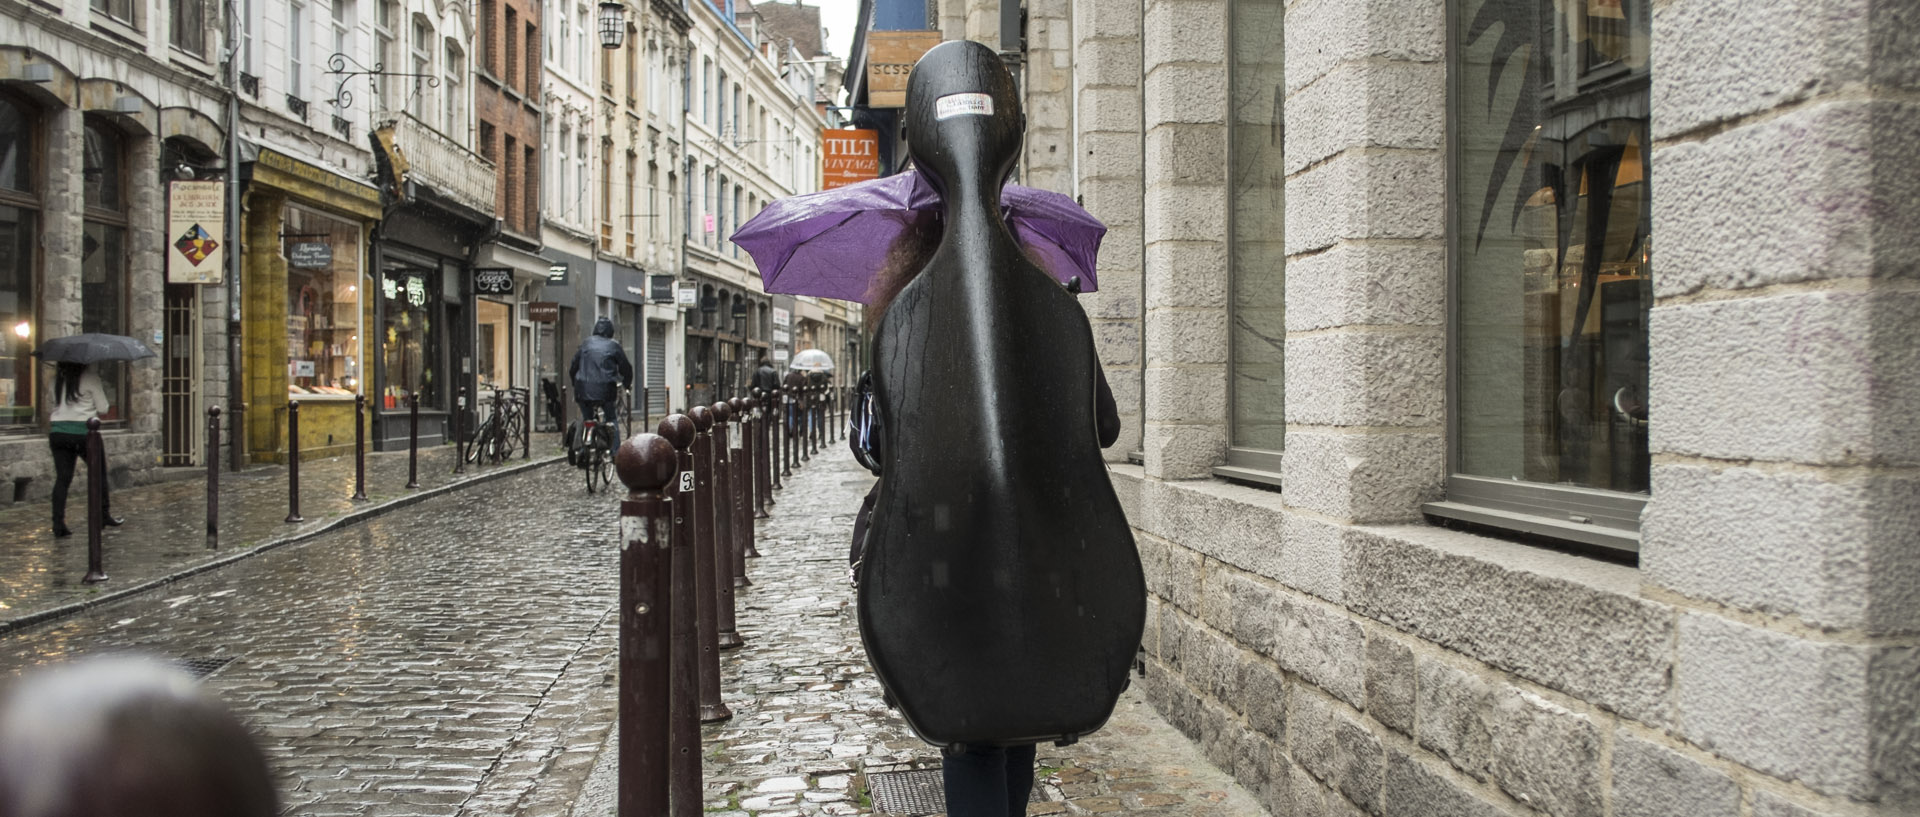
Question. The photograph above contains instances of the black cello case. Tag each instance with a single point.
(1001, 599)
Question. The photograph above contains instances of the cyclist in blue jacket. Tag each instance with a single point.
(600, 367)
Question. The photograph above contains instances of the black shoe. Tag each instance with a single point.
(112, 521)
(61, 531)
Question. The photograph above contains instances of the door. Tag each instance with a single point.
(179, 398)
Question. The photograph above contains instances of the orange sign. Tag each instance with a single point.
(848, 156)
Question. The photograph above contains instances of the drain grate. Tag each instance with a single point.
(914, 792)
(202, 667)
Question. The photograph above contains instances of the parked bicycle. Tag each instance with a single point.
(505, 426)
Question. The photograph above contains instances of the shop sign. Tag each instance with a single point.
(782, 317)
(782, 336)
(416, 290)
(544, 311)
(196, 221)
(848, 156)
(890, 58)
(687, 295)
(780, 356)
(310, 255)
(660, 289)
(493, 280)
(557, 274)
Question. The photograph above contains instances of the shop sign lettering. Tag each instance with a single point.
(310, 255)
(416, 290)
(196, 224)
(493, 280)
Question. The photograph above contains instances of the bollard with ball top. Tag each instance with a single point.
(683, 714)
(646, 463)
(706, 591)
(723, 544)
(742, 493)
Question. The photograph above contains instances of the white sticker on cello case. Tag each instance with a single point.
(953, 105)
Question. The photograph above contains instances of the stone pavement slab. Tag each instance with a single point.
(164, 538)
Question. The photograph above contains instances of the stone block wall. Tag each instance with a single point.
(1341, 654)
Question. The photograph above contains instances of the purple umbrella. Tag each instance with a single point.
(830, 244)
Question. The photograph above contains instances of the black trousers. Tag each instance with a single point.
(68, 448)
(988, 782)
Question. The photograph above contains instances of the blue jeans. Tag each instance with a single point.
(988, 782)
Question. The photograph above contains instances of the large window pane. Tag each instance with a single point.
(16, 145)
(1258, 251)
(323, 304)
(412, 349)
(17, 325)
(103, 299)
(1552, 233)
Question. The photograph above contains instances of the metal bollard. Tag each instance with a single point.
(742, 515)
(96, 461)
(293, 462)
(213, 476)
(459, 440)
(683, 714)
(809, 400)
(646, 463)
(724, 552)
(706, 591)
(96, 503)
(757, 457)
(526, 428)
(413, 440)
(360, 447)
(769, 425)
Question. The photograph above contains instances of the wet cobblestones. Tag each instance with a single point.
(457, 657)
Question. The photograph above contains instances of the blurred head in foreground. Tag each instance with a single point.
(126, 736)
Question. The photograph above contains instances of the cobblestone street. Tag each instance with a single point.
(457, 657)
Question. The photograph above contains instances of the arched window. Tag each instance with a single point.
(103, 247)
(19, 297)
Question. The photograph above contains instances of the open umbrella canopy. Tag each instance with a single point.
(92, 347)
(832, 243)
(812, 360)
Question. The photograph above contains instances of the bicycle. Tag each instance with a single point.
(505, 425)
(596, 451)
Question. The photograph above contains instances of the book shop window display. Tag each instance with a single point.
(323, 305)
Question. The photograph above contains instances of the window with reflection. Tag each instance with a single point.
(103, 249)
(1552, 235)
(1257, 246)
(323, 303)
(412, 350)
(19, 298)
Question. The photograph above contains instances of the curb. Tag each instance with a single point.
(351, 518)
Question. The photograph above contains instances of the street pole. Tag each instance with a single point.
(646, 463)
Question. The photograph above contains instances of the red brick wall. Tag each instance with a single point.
(507, 97)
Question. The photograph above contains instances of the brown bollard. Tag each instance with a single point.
(293, 462)
(526, 428)
(833, 414)
(744, 475)
(706, 595)
(459, 439)
(96, 503)
(742, 516)
(811, 400)
(360, 447)
(413, 440)
(779, 452)
(646, 463)
(213, 475)
(757, 457)
(724, 551)
(683, 713)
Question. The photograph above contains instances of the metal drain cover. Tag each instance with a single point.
(202, 667)
(915, 792)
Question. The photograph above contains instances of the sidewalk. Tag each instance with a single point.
(164, 538)
(810, 735)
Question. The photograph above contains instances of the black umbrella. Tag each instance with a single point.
(92, 347)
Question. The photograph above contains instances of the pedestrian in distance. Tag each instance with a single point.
(126, 736)
(77, 398)
(600, 369)
(765, 377)
(999, 593)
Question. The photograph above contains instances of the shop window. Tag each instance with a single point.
(412, 349)
(494, 333)
(1256, 246)
(19, 298)
(323, 304)
(103, 250)
(1552, 246)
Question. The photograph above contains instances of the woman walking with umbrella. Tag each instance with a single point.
(77, 397)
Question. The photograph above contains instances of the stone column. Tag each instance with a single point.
(64, 224)
(1107, 163)
(1366, 264)
(1184, 118)
(1784, 384)
(1049, 96)
(146, 280)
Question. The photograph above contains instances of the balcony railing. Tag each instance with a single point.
(443, 164)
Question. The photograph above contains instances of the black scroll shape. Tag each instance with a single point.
(1001, 598)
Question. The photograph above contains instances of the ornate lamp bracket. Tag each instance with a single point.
(337, 66)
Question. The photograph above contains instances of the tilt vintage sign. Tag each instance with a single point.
(848, 156)
(890, 58)
(196, 224)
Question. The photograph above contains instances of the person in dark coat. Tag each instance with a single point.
(765, 377)
(600, 368)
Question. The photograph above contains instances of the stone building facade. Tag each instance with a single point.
(1458, 493)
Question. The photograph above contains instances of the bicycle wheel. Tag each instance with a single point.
(479, 439)
(592, 454)
(603, 446)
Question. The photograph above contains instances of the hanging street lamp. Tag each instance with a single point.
(613, 24)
